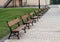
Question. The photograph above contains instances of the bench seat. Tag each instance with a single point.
(30, 21)
(19, 28)
(34, 17)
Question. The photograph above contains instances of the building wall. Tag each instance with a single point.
(35, 2)
(47, 2)
(27, 2)
(42, 2)
(32, 2)
(17, 3)
(2, 2)
(24, 2)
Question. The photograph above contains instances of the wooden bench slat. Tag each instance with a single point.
(11, 23)
(20, 28)
(24, 17)
(30, 21)
(31, 13)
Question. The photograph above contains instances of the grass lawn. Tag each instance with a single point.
(7, 14)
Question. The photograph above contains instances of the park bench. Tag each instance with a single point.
(41, 11)
(44, 10)
(15, 32)
(33, 16)
(40, 14)
(47, 7)
(26, 20)
(37, 12)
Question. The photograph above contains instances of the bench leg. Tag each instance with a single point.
(18, 35)
(32, 23)
(9, 36)
(34, 20)
(37, 18)
(24, 30)
(28, 26)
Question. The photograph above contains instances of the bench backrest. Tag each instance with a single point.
(36, 12)
(24, 18)
(32, 13)
(13, 22)
(39, 10)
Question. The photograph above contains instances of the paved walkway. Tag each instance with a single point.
(47, 29)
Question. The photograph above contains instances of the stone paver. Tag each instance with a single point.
(47, 29)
